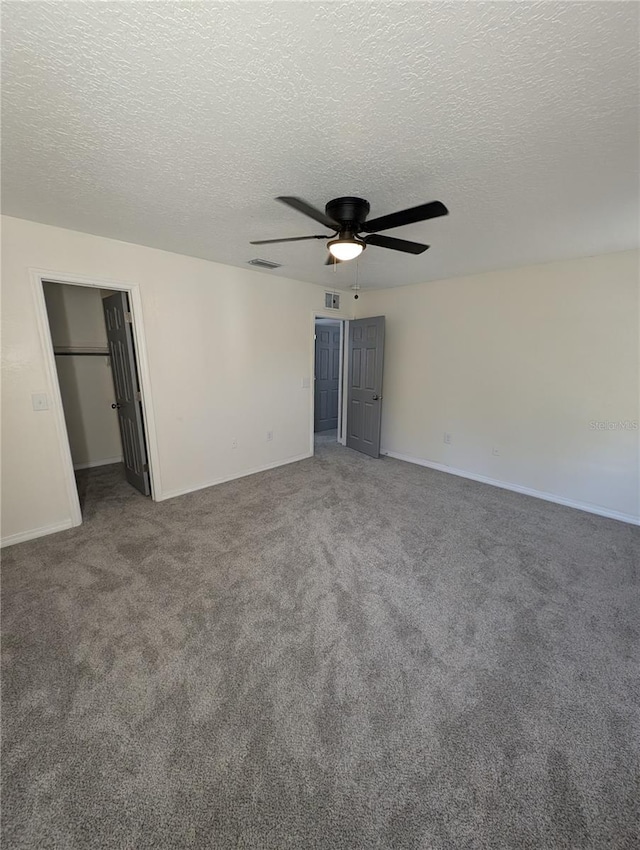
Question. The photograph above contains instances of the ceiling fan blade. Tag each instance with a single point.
(290, 239)
(433, 209)
(395, 244)
(331, 260)
(306, 209)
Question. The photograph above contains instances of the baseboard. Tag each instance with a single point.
(173, 493)
(517, 488)
(106, 462)
(33, 533)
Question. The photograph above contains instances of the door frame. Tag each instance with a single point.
(38, 278)
(342, 409)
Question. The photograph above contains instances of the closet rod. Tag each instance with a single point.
(82, 353)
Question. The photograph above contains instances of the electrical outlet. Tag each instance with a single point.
(495, 451)
(269, 436)
(447, 438)
(234, 443)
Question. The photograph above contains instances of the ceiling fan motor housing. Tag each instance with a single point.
(350, 212)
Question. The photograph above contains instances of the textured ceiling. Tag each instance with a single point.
(175, 124)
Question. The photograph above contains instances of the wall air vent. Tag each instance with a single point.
(332, 300)
(264, 264)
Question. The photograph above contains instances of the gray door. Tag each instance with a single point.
(364, 392)
(327, 377)
(127, 390)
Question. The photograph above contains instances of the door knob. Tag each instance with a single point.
(377, 397)
(116, 406)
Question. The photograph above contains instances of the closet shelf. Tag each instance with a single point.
(96, 352)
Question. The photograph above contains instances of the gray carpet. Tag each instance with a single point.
(342, 653)
(323, 437)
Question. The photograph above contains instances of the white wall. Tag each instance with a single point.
(87, 394)
(76, 321)
(521, 361)
(75, 315)
(228, 350)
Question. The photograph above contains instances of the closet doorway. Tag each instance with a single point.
(95, 359)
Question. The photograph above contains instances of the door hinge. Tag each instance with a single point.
(145, 467)
(138, 396)
(127, 317)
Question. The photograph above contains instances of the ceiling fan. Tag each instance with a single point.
(348, 218)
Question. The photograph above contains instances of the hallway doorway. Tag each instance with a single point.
(328, 360)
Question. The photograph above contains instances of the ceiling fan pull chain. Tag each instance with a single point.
(356, 285)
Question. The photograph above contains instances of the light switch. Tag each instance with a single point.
(306, 383)
(39, 401)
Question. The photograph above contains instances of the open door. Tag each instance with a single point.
(127, 389)
(364, 404)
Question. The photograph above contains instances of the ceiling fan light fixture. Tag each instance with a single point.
(346, 249)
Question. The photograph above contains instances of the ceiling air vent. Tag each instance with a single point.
(264, 264)
(332, 300)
